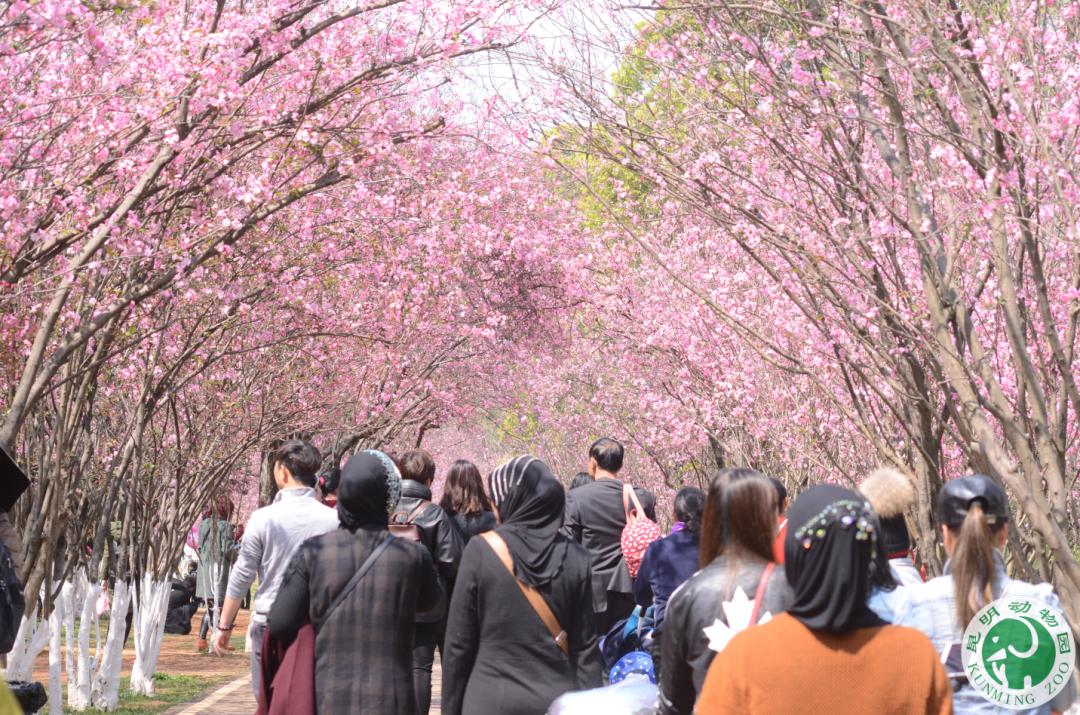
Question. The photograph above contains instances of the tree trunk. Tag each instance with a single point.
(32, 638)
(56, 659)
(105, 693)
(149, 629)
(79, 688)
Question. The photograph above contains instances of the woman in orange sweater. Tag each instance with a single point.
(829, 653)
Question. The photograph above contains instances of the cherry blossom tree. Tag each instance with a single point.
(873, 204)
(224, 224)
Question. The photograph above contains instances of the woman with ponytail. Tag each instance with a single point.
(668, 562)
(973, 512)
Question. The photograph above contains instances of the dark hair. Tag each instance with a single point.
(739, 516)
(781, 492)
(417, 465)
(689, 503)
(330, 480)
(223, 507)
(972, 561)
(580, 479)
(301, 459)
(608, 454)
(464, 491)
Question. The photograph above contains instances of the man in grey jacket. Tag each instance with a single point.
(272, 536)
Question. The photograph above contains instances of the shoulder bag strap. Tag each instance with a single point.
(410, 516)
(364, 568)
(420, 508)
(531, 594)
(629, 495)
(763, 584)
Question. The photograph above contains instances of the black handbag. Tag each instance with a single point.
(12, 602)
(31, 697)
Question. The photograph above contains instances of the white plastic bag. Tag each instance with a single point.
(103, 603)
(633, 696)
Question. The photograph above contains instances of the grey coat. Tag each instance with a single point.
(217, 551)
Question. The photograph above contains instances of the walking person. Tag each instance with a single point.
(363, 623)
(670, 561)
(595, 518)
(465, 501)
(441, 537)
(580, 479)
(327, 484)
(271, 538)
(738, 524)
(217, 552)
(836, 654)
(521, 630)
(781, 519)
(973, 512)
(890, 494)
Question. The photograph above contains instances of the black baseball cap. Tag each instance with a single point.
(958, 495)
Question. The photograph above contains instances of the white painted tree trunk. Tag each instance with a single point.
(97, 631)
(105, 691)
(31, 639)
(150, 610)
(69, 596)
(80, 665)
(56, 659)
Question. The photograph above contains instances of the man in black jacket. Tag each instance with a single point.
(595, 518)
(443, 541)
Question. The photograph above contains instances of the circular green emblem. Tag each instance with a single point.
(1018, 652)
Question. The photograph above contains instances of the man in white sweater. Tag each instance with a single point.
(271, 538)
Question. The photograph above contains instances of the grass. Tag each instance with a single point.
(169, 690)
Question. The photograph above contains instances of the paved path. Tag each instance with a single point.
(235, 698)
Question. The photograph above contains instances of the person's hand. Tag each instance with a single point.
(221, 642)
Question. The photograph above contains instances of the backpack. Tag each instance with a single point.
(403, 526)
(635, 633)
(12, 602)
(639, 532)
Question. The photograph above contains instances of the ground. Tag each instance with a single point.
(192, 684)
(182, 675)
(235, 698)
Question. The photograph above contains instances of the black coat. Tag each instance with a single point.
(697, 605)
(363, 650)
(439, 534)
(500, 658)
(182, 606)
(595, 519)
(474, 524)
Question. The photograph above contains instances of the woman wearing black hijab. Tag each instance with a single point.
(363, 628)
(500, 655)
(829, 652)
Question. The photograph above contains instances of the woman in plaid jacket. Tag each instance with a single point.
(363, 646)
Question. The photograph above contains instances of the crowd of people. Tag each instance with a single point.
(532, 592)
